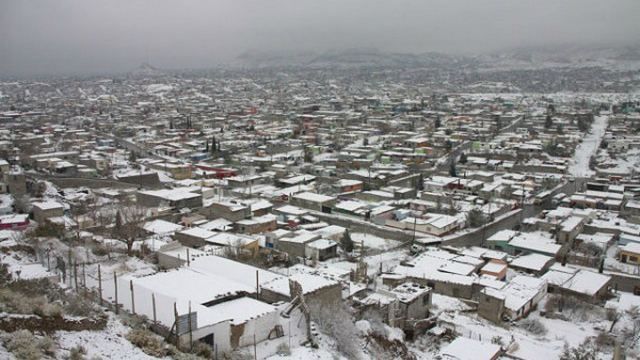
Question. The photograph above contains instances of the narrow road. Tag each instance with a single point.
(579, 166)
(128, 145)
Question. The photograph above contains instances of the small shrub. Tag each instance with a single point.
(203, 350)
(134, 321)
(185, 356)
(283, 350)
(25, 346)
(497, 340)
(13, 302)
(612, 314)
(148, 342)
(533, 326)
(604, 340)
(100, 250)
(584, 351)
(47, 346)
(79, 306)
(48, 310)
(77, 353)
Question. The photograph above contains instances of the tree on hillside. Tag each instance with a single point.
(548, 122)
(347, 242)
(452, 169)
(420, 184)
(308, 154)
(213, 145)
(551, 109)
(583, 125)
(463, 158)
(128, 228)
(227, 158)
(475, 218)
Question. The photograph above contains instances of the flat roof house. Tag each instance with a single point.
(586, 285)
(46, 209)
(313, 201)
(532, 263)
(630, 253)
(463, 348)
(177, 198)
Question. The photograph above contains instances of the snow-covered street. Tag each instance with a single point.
(579, 166)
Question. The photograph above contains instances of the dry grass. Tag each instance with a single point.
(26, 346)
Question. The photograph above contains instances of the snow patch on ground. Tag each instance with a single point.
(109, 343)
(374, 242)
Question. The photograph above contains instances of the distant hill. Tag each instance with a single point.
(563, 56)
(363, 57)
(519, 58)
(146, 70)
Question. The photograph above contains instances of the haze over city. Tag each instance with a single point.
(75, 36)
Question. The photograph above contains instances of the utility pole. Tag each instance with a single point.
(522, 205)
(415, 222)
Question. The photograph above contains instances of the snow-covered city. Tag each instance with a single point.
(313, 201)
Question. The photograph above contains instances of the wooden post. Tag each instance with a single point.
(188, 258)
(153, 305)
(75, 275)
(257, 285)
(84, 279)
(100, 284)
(190, 328)
(48, 261)
(175, 316)
(213, 345)
(115, 281)
(133, 302)
(255, 349)
(70, 266)
(289, 333)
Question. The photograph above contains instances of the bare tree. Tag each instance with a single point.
(128, 225)
(105, 216)
(584, 351)
(22, 204)
(613, 315)
(336, 321)
(78, 211)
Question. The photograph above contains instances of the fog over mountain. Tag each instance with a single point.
(76, 36)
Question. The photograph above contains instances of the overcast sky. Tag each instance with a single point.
(62, 36)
